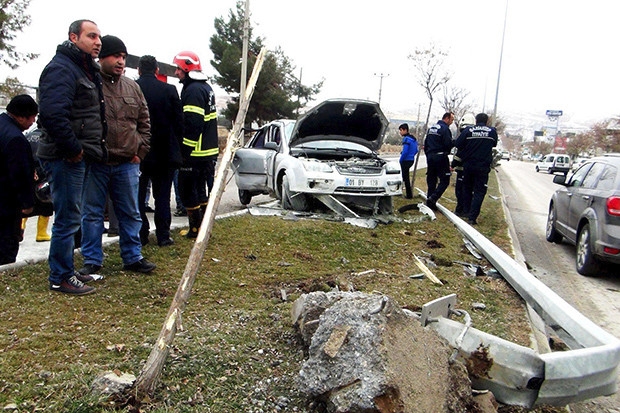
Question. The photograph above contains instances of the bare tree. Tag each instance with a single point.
(13, 19)
(455, 101)
(431, 75)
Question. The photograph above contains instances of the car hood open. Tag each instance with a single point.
(353, 120)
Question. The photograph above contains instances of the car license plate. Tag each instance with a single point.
(361, 182)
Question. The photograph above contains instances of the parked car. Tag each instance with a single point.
(505, 155)
(577, 163)
(553, 163)
(329, 155)
(586, 211)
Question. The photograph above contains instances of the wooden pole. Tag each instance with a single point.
(149, 376)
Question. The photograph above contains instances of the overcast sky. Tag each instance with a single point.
(557, 55)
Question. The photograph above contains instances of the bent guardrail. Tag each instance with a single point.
(519, 375)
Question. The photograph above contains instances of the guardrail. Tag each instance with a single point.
(519, 375)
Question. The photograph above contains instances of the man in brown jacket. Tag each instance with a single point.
(128, 137)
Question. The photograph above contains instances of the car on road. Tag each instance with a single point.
(328, 157)
(577, 163)
(505, 155)
(553, 163)
(586, 211)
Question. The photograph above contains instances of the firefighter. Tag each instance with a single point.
(199, 145)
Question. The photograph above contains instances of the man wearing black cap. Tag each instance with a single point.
(16, 173)
(73, 134)
(128, 137)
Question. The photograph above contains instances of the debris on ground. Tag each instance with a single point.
(365, 354)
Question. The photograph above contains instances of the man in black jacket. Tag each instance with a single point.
(72, 117)
(16, 173)
(437, 146)
(475, 147)
(165, 155)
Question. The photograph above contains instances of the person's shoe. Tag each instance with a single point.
(88, 269)
(86, 278)
(143, 266)
(148, 208)
(431, 204)
(180, 213)
(72, 286)
(472, 222)
(165, 242)
(112, 233)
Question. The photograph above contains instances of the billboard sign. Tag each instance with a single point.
(554, 113)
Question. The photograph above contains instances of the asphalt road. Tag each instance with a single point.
(527, 194)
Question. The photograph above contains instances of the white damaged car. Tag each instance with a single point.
(329, 155)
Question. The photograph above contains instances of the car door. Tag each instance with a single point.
(249, 163)
(561, 162)
(563, 198)
(581, 199)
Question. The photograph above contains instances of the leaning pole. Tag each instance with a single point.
(149, 376)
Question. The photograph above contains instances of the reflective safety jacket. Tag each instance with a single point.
(199, 141)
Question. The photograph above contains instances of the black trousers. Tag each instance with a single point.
(474, 190)
(194, 179)
(10, 235)
(437, 175)
(161, 186)
(405, 166)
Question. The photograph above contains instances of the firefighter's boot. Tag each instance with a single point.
(23, 228)
(42, 234)
(194, 217)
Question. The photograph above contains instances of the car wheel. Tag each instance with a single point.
(537, 170)
(551, 234)
(245, 197)
(293, 200)
(585, 261)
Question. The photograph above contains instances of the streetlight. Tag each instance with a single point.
(499, 71)
(381, 75)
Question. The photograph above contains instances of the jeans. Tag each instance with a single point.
(161, 183)
(122, 183)
(66, 182)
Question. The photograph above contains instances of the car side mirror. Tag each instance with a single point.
(559, 179)
(271, 145)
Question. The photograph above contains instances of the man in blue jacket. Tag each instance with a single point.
(16, 173)
(407, 157)
(475, 147)
(164, 158)
(73, 133)
(437, 147)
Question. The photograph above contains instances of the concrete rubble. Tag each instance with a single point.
(365, 354)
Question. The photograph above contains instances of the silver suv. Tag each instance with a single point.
(586, 211)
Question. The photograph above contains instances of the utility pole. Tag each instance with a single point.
(381, 76)
(244, 53)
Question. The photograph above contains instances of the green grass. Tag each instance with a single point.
(238, 351)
